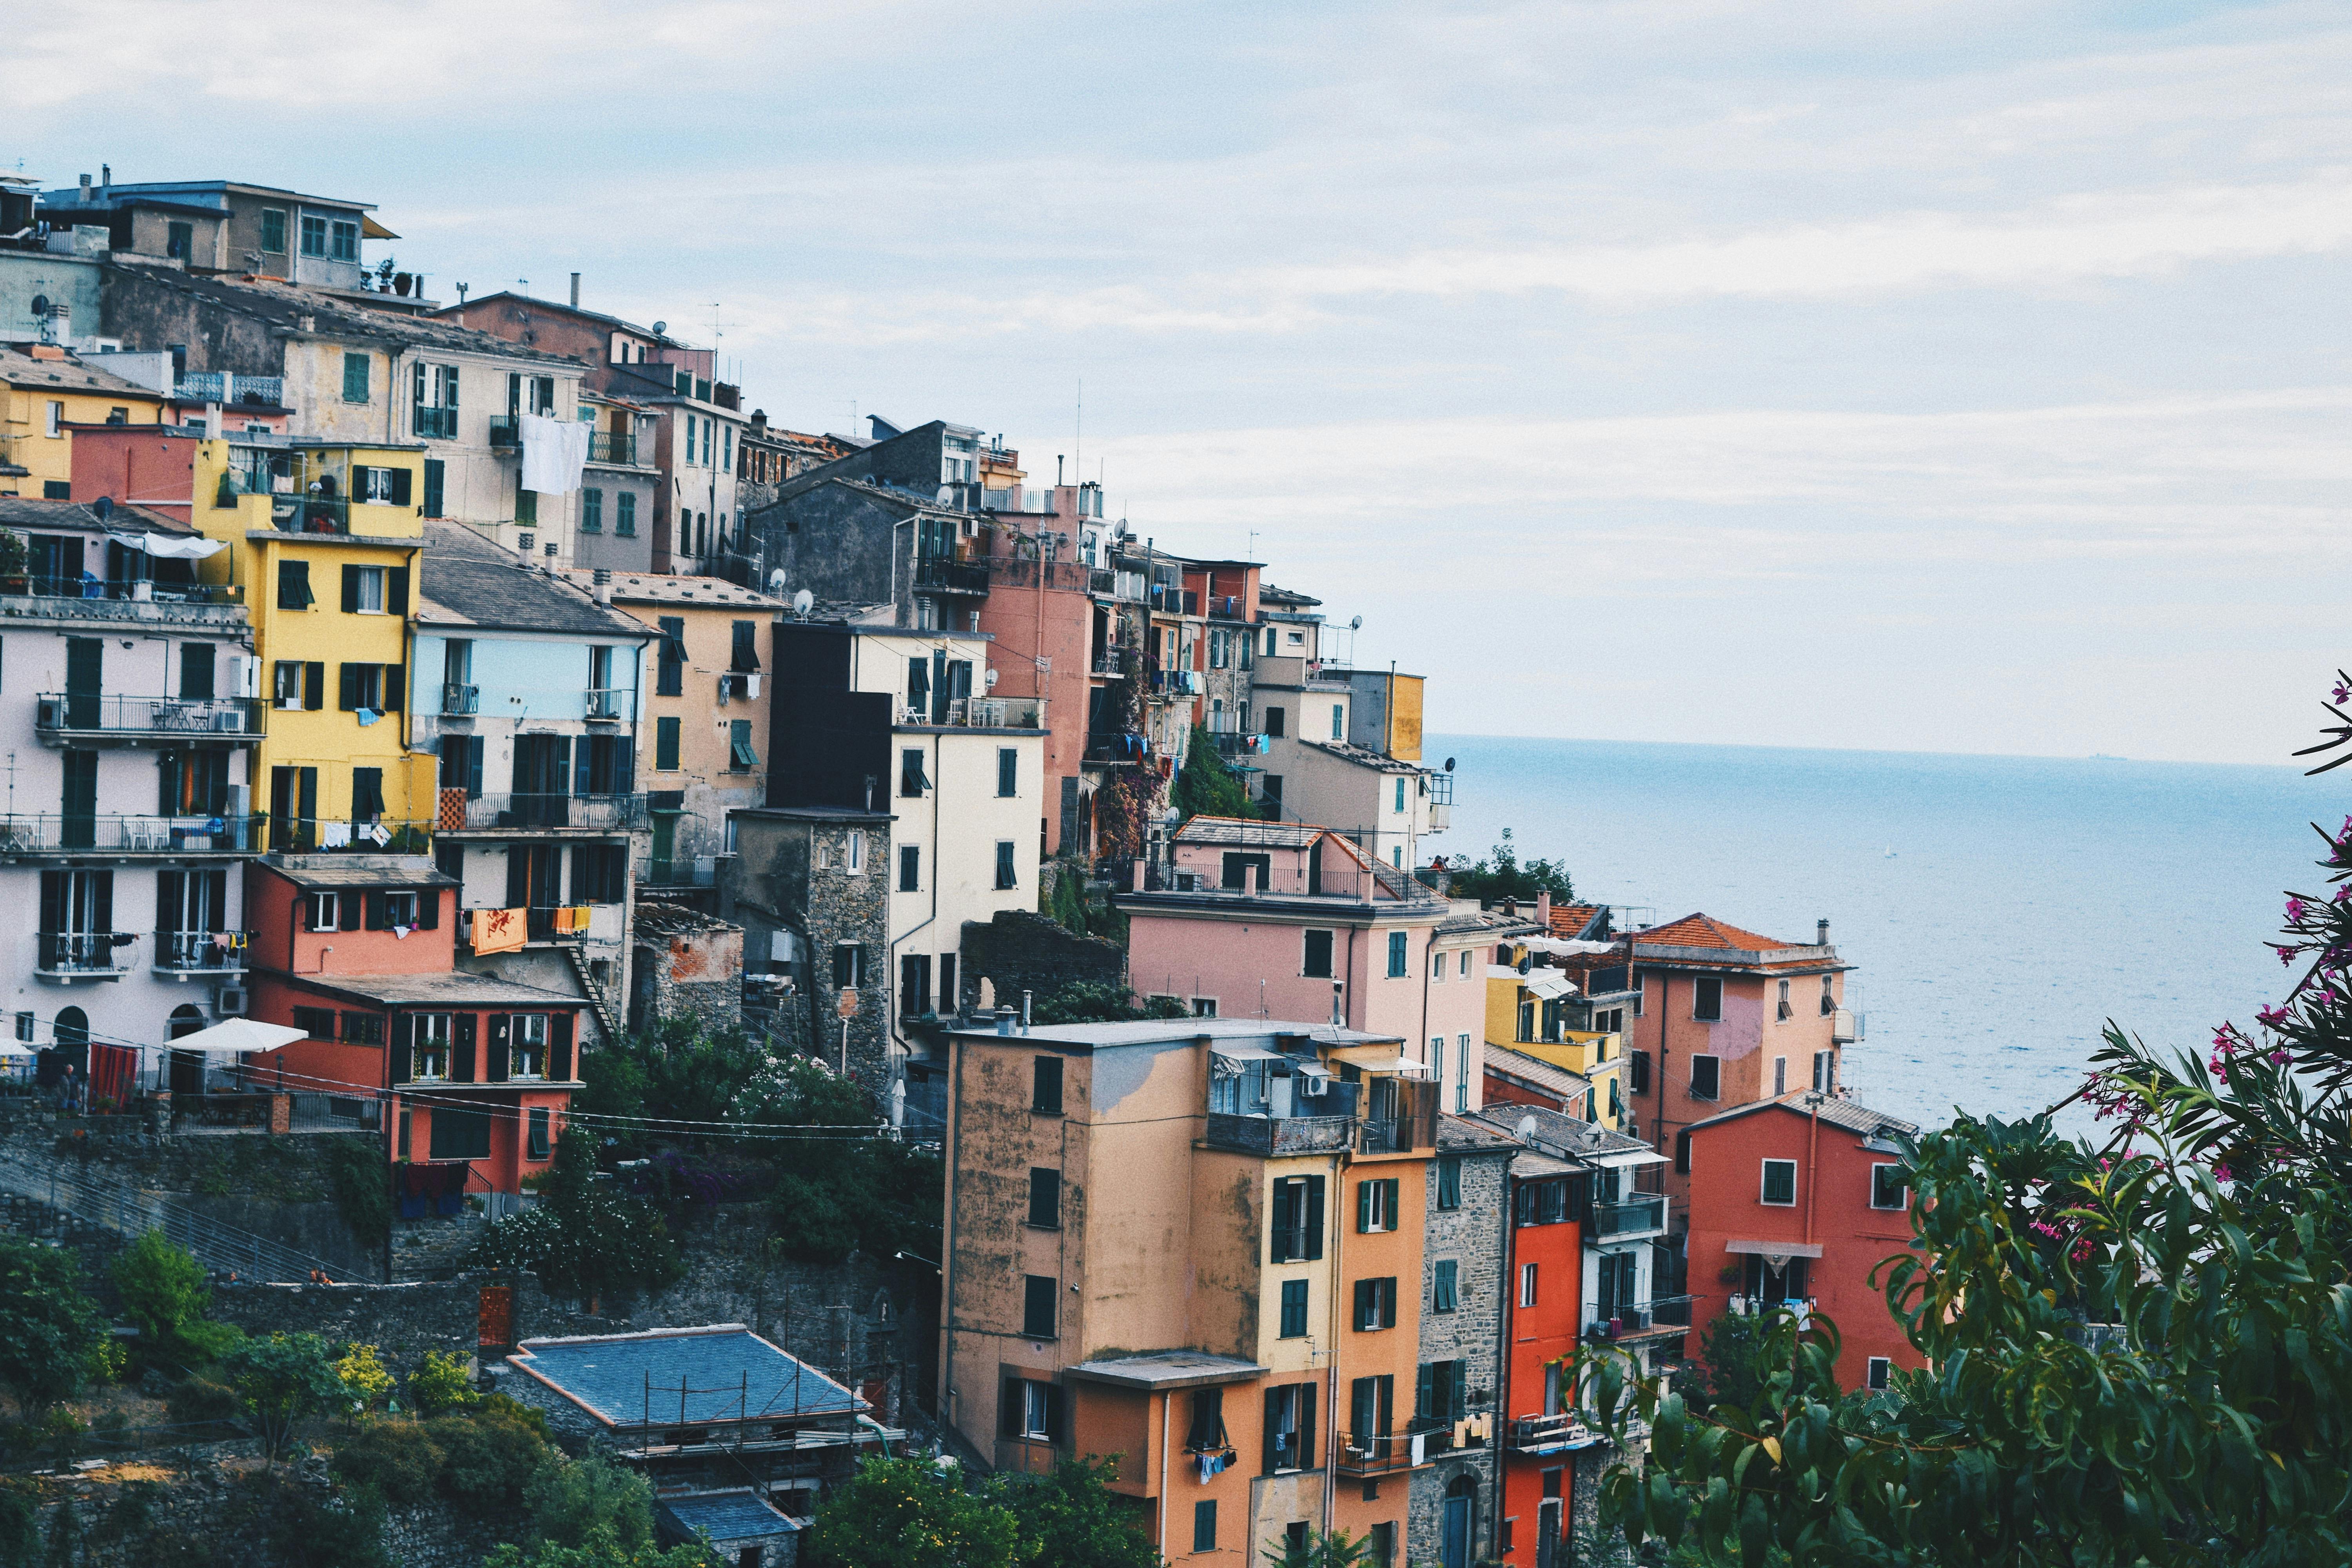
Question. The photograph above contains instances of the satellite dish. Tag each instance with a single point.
(802, 602)
(1526, 1128)
(103, 507)
(40, 304)
(991, 681)
(660, 327)
(1357, 625)
(1449, 764)
(776, 580)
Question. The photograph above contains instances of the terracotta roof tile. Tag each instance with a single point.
(1706, 931)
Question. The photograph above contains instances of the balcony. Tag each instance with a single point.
(506, 432)
(604, 446)
(84, 954)
(460, 701)
(1386, 1453)
(982, 713)
(328, 514)
(1643, 1214)
(164, 838)
(1116, 746)
(1232, 744)
(435, 424)
(1227, 607)
(528, 812)
(1662, 1316)
(1270, 1135)
(225, 386)
(187, 953)
(937, 574)
(1550, 1433)
(1846, 1026)
(540, 925)
(84, 715)
(609, 704)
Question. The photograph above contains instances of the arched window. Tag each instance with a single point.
(186, 1019)
(72, 1028)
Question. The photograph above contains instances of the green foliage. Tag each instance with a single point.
(398, 1458)
(20, 1521)
(278, 1523)
(1100, 1002)
(904, 1513)
(488, 1455)
(844, 1188)
(601, 1550)
(365, 1382)
(363, 1187)
(584, 1238)
(12, 553)
(48, 1326)
(441, 1382)
(1070, 1518)
(675, 1072)
(571, 1501)
(165, 1297)
(1501, 874)
(1067, 903)
(1123, 810)
(199, 1399)
(279, 1380)
(1206, 785)
(1335, 1549)
(1730, 1348)
(65, 1536)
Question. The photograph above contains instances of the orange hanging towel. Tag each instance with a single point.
(498, 930)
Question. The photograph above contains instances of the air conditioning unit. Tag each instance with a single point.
(52, 714)
(232, 1001)
(227, 721)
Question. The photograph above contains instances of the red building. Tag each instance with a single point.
(475, 1074)
(1793, 1202)
(1544, 1314)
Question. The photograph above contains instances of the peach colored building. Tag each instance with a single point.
(1287, 919)
(1196, 1245)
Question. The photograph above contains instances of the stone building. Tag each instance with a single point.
(810, 888)
(686, 964)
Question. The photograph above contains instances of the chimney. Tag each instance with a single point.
(307, 321)
(1543, 911)
(85, 189)
(105, 178)
(603, 581)
(575, 290)
(1821, 933)
(1249, 880)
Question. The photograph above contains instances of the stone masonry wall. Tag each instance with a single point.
(689, 965)
(1020, 950)
(1472, 1236)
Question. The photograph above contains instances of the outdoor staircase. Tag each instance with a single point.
(73, 1204)
(595, 995)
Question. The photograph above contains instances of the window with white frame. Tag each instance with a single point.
(1780, 1184)
(1462, 1073)
(430, 1046)
(527, 1053)
(1527, 1284)
(1887, 1188)
(1880, 1369)
(1705, 1078)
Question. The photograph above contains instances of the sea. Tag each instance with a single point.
(2002, 910)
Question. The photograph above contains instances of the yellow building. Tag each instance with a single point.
(44, 393)
(1531, 1010)
(324, 544)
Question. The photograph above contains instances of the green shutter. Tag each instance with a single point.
(1363, 1207)
(433, 481)
(355, 377)
(666, 745)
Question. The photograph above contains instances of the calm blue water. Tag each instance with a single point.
(2028, 901)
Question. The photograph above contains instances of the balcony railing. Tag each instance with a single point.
(604, 446)
(1116, 746)
(196, 952)
(160, 836)
(85, 952)
(226, 386)
(90, 712)
(936, 574)
(1270, 1135)
(1642, 1211)
(526, 811)
(540, 925)
(506, 430)
(984, 714)
(612, 703)
(1226, 607)
(1549, 1434)
(436, 424)
(1383, 1452)
(1232, 744)
(460, 701)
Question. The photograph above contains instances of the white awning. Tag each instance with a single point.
(1776, 1248)
(240, 1034)
(1400, 1064)
(1564, 945)
(1547, 984)
(10, 1048)
(1312, 1069)
(168, 546)
(1240, 1051)
(1627, 1161)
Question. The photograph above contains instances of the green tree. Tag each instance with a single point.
(2142, 1345)
(569, 1500)
(904, 1513)
(50, 1327)
(1321, 1549)
(1205, 786)
(441, 1382)
(1070, 1518)
(280, 1380)
(1100, 1002)
(490, 1455)
(584, 1238)
(1068, 902)
(165, 1296)
(600, 1549)
(1501, 874)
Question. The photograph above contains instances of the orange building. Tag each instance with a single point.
(473, 1074)
(1793, 1202)
(1197, 1245)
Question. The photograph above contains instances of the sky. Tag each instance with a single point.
(1961, 377)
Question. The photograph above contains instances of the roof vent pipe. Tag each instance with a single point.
(575, 290)
(603, 581)
(1024, 1012)
(1822, 933)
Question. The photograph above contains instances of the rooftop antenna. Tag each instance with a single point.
(1078, 443)
(523, 284)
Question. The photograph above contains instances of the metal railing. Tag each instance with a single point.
(1544, 1434)
(604, 446)
(1232, 744)
(88, 585)
(1381, 1453)
(506, 430)
(436, 424)
(612, 703)
(1267, 1135)
(937, 576)
(226, 386)
(1642, 1211)
(195, 952)
(224, 1248)
(85, 952)
(458, 702)
(1226, 607)
(526, 810)
(72, 712)
(164, 836)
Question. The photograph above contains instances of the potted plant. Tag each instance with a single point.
(12, 577)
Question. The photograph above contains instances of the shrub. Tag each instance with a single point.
(164, 1294)
(202, 1399)
(398, 1458)
(362, 1188)
(364, 1380)
(20, 1520)
(570, 1500)
(441, 1384)
(280, 1380)
(48, 1326)
(489, 1456)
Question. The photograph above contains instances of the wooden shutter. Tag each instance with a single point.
(518, 877)
(428, 908)
(402, 480)
(494, 1059)
(314, 686)
(403, 1047)
(559, 1046)
(1272, 1458)
(1306, 1426)
(1364, 1206)
(351, 589)
(394, 697)
(372, 905)
(461, 1049)
(101, 900)
(1008, 1409)
(1389, 1202)
(168, 767)
(170, 892)
(581, 771)
(1288, 1193)
(53, 884)
(1314, 1217)
(347, 694)
(395, 579)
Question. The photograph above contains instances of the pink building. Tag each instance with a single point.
(1286, 919)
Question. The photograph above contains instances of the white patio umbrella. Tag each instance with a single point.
(238, 1035)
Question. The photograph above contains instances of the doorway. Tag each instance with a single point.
(1454, 1526)
(187, 1066)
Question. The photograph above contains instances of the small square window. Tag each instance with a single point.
(1887, 1188)
(1781, 1183)
(1881, 1368)
(1294, 1308)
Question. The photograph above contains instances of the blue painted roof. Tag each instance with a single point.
(727, 1516)
(730, 1374)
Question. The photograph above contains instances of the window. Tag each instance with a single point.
(537, 1146)
(1289, 1432)
(364, 590)
(1046, 1085)
(459, 1134)
(1400, 796)
(1274, 721)
(1030, 1409)
(1037, 1303)
(1205, 1525)
(1779, 1182)
(1780, 1077)
(314, 236)
(1829, 995)
(1317, 960)
(363, 1028)
(1783, 1012)
(1437, 966)
(848, 965)
(179, 239)
(1449, 1181)
(319, 1023)
(1339, 720)
(1463, 968)
(1205, 1006)
(744, 655)
(365, 686)
(429, 1035)
(669, 677)
(1706, 998)
(624, 523)
(1444, 1290)
(1637, 1069)
(1880, 1369)
(57, 422)
(1442, 1393)
(325, 911)
(1044, 1198)
(856, 844)
(1376, 1206)
(273, 230)
(1706, 1077)
(914, 985)
(666, 732)
(1296, 1218)
(1294, 1307)
(23, 1025)
(592, 510)
(913, 780)
(345, 242)
(356, 375)
(1527, 1284)
(910, 869)
(1375, 1304)
(1008, 773)
(1682, 1154)
(1397, 957)
(1462, 1074)
(436, 486)
(1824, 1072)
(294, 585)
(1542, 1203)
(1005, 868)
(600, 873)
(1887, 1188)
(527, 1057)
(740, 757)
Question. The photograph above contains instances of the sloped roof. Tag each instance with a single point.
(738, 1513)
(284, 306)
(468, 579)
(673, 588)
(18, 368)
(1537, 1072)
(696, 1376)
(330, 872)
(1246, 833)
(1833, 1109)
(1464, 1135)
(1572, 921)
(1560, 1135)
(30, 511)
(1706, 931)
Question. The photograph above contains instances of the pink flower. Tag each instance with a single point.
(2280, 1058)
(2296, 909)
(2221, 1173)
(2342, 693)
